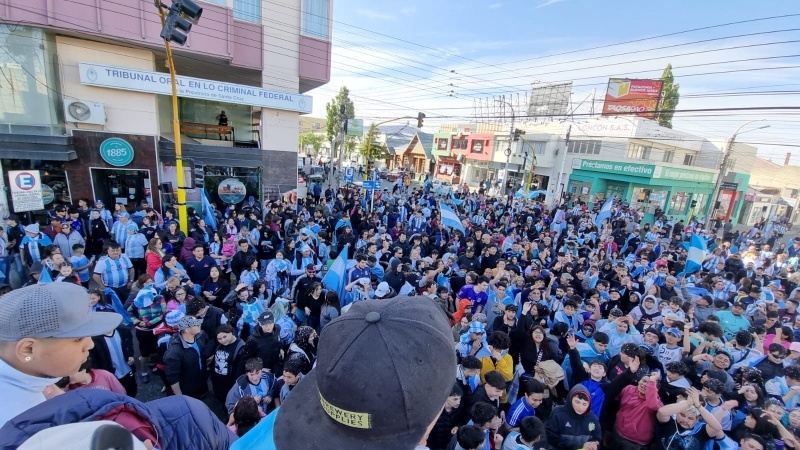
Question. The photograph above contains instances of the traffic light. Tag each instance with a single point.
(182, 15)
(199, 175)
(420, 119)
(694, 204)
(518, 133)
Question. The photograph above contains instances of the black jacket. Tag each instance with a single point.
(238, 262)
(568, 430)
(222, 291)
(100, 354)
(211, 321)
(185, 366)
(267, 347)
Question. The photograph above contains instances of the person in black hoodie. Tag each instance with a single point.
(573, 425)
(211, 316)
(452, 416)
(265, 342)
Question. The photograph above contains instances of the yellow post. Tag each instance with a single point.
(176, 129)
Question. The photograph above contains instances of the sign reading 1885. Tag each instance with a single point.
(117, 152)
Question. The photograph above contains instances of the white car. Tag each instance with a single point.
(441, 187)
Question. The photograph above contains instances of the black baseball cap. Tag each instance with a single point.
(266, 318)
(383, 372)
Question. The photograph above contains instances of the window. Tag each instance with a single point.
(441, 144)
(678, 202)
(581, 146)
(249, 10)
(669, 155)
(636, 151)
(536, 148)
(315, 19)
(477, 146)
(688, 159)
(459, 144)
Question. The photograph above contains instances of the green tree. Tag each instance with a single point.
(310, 142)
(669, 98)
(372, 149)
(334, 124)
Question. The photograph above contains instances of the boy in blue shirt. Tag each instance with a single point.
(80, 264)
(526, 405)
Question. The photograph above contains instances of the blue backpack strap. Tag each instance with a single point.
(757, 361)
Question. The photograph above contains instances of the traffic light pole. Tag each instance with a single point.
(176, 129)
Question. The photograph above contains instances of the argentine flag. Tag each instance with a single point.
(450, 218)
(335, 279)
(697, 254)
(605, 212)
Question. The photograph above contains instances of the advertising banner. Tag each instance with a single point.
(632, 97)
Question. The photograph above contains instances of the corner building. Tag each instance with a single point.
(85, 97)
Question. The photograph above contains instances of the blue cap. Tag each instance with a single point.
(673, 331)
(477, 327)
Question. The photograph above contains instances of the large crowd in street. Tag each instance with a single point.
(429, 318)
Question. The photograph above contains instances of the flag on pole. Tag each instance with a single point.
(450, 218)
(697, 254)
(335, 279)
(208, 213)
(605, 212)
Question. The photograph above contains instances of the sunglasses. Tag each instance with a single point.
(778, 356)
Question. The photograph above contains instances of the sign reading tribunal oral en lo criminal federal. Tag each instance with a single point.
(189, 87)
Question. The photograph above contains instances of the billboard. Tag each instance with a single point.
(636, 97)
(550, 100)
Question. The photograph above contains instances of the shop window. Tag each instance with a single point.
(688, 159)
(669, 155)
(53, 177)
(678, 202)
(315, 19)
(636, 151)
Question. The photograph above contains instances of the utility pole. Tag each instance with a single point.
(175, 27)
(561, 170)
(723, 168)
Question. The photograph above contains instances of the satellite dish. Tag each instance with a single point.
(79, 111)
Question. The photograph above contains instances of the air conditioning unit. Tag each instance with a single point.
(84, 112)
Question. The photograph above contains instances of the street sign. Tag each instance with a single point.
(26, 190)
(355, 127)
(349, 172)
(371, 185)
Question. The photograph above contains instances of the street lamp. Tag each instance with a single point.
(712, 207)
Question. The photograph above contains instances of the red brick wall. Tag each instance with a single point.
(87, 147)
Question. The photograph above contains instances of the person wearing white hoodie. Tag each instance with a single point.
(37, 349)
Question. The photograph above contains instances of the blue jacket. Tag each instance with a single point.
(181, 422)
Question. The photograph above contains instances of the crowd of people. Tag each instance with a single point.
(568, 326)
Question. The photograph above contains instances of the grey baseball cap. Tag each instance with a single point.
(52, 310)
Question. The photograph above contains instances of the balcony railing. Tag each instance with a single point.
(206, 129)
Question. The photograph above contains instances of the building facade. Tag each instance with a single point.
(85, 99)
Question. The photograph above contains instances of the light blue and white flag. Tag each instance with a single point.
(697, 254)
(450, 218)
(208, 212)
(335, 279)
(455, 200)
(605, 212)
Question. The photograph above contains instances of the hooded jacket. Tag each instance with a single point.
(568, 430)
(640, 313)
(186, 250)
(178, 422)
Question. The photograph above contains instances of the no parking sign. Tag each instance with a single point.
(26, 190)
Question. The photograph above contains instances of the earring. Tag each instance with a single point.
(28, 359)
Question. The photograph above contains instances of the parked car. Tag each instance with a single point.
(441, 187)
(383, 172)
(395, 174)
